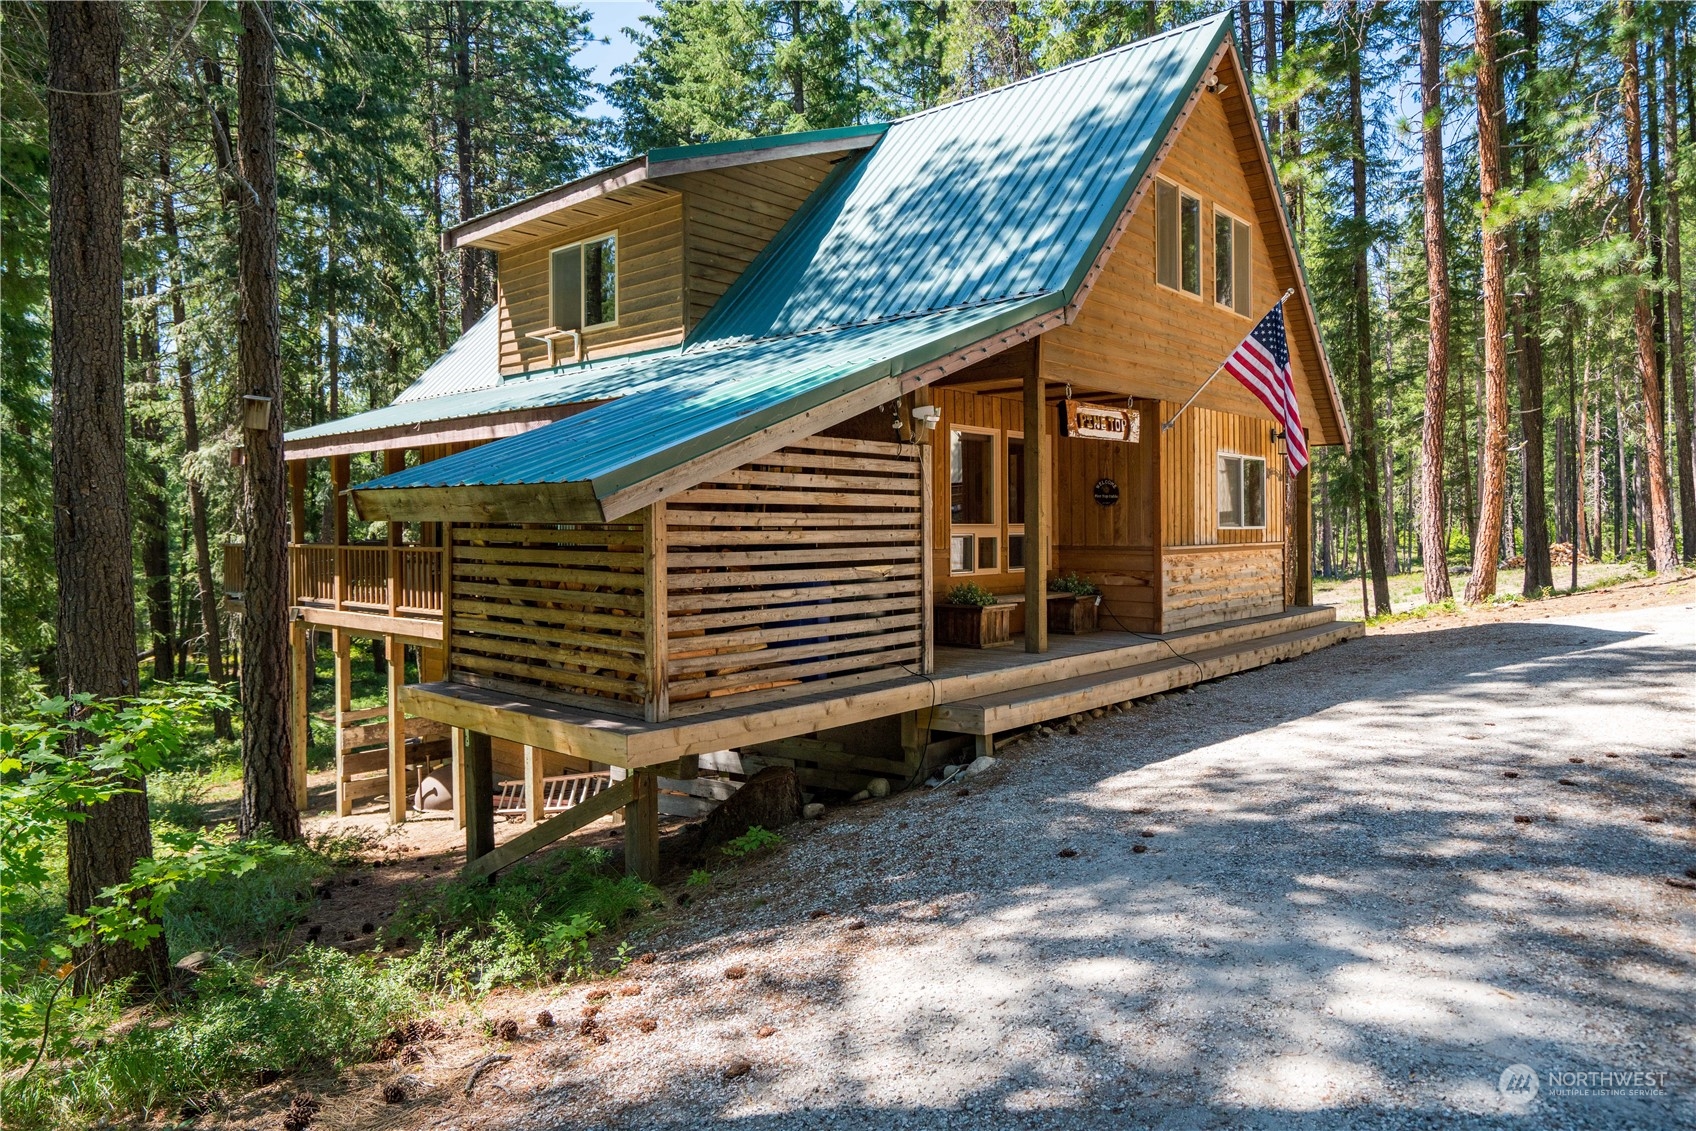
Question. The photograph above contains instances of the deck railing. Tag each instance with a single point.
(392, 580)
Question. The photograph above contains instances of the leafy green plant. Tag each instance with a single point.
(756, 839)
(1073, 584)
(699, 878)
(970, 593)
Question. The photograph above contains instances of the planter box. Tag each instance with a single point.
(973, 626)
(1073, 616)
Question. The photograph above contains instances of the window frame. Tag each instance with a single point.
(1242, 289)
(1183, 194)
(979, 531)
(1243, 459)
(1009, 528)
(582, 326)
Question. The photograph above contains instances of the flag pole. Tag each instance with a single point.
(1166, 427)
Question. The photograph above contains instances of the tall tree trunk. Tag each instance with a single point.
(1366, 432)
(208, 597)
(470, 259)
(268, 794)
(1433, 524)
(1528, 328)
(1662, 552)
(1269, 22)
(91, 516)
(151, 486)
(1245, 35)
(797, 76)
(1493, 458)
(1674, 257)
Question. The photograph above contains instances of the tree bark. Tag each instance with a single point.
(152, 516)
(1528, 328)
(1493, 456)
(91, 517)
(1366, 425)
(1433, 525)
(470, 259)
(1662, 552)
(268, 794)
(1674, 257)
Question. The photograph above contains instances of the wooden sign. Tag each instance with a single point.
(1092, 422)
(1106, 492)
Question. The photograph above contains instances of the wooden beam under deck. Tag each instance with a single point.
(408, 630)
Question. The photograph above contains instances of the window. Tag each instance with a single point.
(1232, 246)
(583, 284)
(974, 540)
(1015, 503)
(1177, 239)
(1242, 492)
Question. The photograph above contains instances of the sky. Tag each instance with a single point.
(607, 22)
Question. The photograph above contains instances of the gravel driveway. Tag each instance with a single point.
(1344, 891)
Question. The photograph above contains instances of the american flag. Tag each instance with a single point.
(1262, 364)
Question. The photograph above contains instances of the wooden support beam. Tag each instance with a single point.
(983, 745)
(300, 723)
(491, 859)
(656, 706)
(927, 544)
(297, 501)
(457, 746)
(479, 797)
(533, 773)
(397, 731)
(1036, 509)
(642, 827)
(341, 471)
(1303, 535)
(341, 643)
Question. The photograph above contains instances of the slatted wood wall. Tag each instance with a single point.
(552, 612)
(1207, 585)
(1190, 507)
(794, 574)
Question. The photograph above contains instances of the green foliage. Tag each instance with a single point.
(971, 593)
(699, 878)
(1073, 584)
(535, 924)
(756, 839)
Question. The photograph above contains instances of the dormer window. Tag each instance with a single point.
(583, 284)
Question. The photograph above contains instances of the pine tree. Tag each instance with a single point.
(1433, 527)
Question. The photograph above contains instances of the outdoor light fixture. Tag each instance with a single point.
(925, 417)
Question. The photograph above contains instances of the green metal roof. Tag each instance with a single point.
(959, 223)
(668, 154)
(472, 362)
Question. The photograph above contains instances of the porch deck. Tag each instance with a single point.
(975, 692)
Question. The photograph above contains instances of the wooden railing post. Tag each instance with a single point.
(338, 585)
(394, 578)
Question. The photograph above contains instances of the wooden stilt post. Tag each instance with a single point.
(927, 544)
(479, 796)
(300, 722)
(457, 745)
(341, 642)
(1303, 534)
(656, 707)
(642, 827)
(1036, 509)
(533, 785)
(397, 731)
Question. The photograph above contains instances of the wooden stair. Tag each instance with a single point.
(988, 715)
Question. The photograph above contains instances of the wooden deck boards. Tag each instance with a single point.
(961, 675)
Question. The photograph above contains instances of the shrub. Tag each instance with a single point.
(756, 839)
(970, 593)
(1073, 584)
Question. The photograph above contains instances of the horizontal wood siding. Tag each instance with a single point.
(1190, 509)
(551, 612)
(731, 214)
(650, 287)
(1206, 586)
(793, 574)
(1135, 337)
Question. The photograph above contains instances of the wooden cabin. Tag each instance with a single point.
(693, 496)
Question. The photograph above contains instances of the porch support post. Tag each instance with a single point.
(456, 742)
(642, 827)
(479, 801)
(1036, 509)
(341, 642)
(533, 784)
(1303, 535)
(927, 543)
(656, 705)
(297, 501)
(397, 730)
(300, 723)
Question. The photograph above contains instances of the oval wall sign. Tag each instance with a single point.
(1106, 492)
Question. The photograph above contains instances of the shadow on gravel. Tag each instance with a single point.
(1357, 920)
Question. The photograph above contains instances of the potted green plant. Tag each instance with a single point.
(973, 617)
(1074, 605)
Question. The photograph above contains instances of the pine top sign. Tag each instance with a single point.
(1092, 422)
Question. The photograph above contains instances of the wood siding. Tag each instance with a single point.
(551, 612)
(1190, 507)
(650, 288)
(1134, 337)
(1114, 546)
(731, 214)
(1207, 585)
(794, 574)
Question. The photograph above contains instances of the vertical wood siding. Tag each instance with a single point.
(793, 574)
(1190, 509)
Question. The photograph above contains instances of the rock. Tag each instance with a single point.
(1139, 848)
(1045, 731)
(647, 1024)
(737, 1069)
(812, 812)
(878, 787)
(980, 765)
(435, 793)
(736, 973)
(764, 1031)
(1068, 853)
(861, 796)
(193, 965)
(770, 799)
(1074, 729)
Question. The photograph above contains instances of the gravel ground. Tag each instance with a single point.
(1344, 891)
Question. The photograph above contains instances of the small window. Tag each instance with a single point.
(1242, 492)
(971, 471)
(1177, 239)
(1015, 480)
(583, 284)
(1231, 250)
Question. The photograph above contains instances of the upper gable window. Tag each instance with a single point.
(1232, 245)
(1177, 239)
(583, 284)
